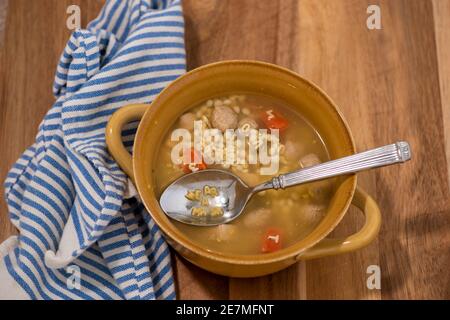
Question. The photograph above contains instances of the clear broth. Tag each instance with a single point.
(293, 212)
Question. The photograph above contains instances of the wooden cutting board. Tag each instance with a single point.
(390, 84)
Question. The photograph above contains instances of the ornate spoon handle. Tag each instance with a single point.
(378, 157)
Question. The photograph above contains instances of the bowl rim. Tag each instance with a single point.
(170, 231)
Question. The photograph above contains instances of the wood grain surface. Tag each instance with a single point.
(442, 34)
(390, 84)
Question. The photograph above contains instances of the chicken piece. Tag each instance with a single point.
(187, 121)
(309, 160)
(224, 118)
(257, 218)
(292, 151)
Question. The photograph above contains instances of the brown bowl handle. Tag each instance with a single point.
(113, 134)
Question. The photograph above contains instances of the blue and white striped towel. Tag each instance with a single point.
(71, 203)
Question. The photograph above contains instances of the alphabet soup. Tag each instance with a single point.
(256, 137)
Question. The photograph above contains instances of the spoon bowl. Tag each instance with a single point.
(233, 196)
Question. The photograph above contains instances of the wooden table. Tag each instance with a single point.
(390, 84)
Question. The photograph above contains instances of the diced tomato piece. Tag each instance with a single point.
(191, 161)
(274, 120)
(271, 241)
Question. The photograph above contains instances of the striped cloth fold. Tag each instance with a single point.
(73, 206)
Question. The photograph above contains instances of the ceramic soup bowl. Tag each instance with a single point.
(252, 77)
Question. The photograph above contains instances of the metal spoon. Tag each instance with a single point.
(234, 194)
